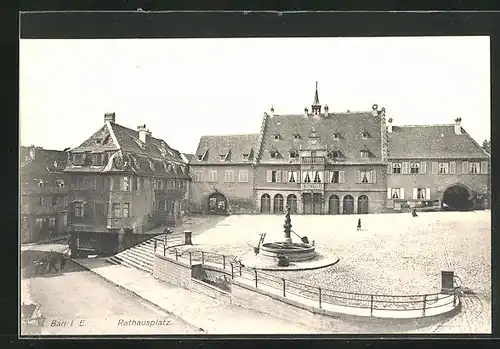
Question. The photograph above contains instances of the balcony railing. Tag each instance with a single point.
(313, 160)
(312, 186)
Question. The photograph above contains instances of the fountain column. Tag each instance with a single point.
(288, 226)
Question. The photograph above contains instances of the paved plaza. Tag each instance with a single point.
(392, 254)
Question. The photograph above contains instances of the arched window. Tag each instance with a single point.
(363, 204)
(348, 204)
(334, 205)
(265, 203)
(278, 203)
(291, 202)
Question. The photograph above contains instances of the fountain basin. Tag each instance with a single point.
(294, 251)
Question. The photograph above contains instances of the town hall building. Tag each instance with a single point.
(324, 162)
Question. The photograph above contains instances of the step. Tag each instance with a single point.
(114, 260)
(139, 259)
(136, 266)
(149, 257)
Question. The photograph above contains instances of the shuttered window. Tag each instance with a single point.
(434, 169)
(423, 167)
(484, 167)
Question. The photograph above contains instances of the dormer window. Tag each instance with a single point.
(78, 159)
(277, 136)
(60, 183)
(98, 141)
(335, 154)
(296, 136)
(336, 135)
(96, 159)
(294, 154)
(365, 135)
(274, 154)
(245, 156)
(200, 157)
(365, 154)
(222, 157)
(41, 183)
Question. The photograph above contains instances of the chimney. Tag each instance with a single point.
(389, 125)
(326, 110)
(306, 111)
(458, 126)
(109, 117)
(143, 132)
(375, 110)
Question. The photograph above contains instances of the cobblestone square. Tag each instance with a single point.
(392, 254)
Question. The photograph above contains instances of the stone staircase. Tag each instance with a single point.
(141, 256)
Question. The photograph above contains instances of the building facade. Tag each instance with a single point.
(321, 162)
(434, 166)
(43, 194)
(123, 184)
(223, 175)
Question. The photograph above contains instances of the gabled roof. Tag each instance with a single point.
(432, 141)
(349, 125)
(48, 160)
(153, 157)
(236, 146)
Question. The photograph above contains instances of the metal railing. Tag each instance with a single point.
(322, 296)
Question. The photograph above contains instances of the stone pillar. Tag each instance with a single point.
(121, 234)
(187, 237)
(355, 205)
(341, 205)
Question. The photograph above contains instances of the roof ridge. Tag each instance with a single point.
(424, 125)
(232, 135)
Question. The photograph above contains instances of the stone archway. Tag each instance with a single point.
(457, 197)
(334, 204)
(217, 203)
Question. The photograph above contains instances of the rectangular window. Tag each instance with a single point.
(198, 176)
(334, 178)
(65, 220)
(52, 222)
(39, 222)
(126, 209)
(317, 177)
(229, 176)
(365, 154)
(414, 167)
(213, 175)
(78, 159)
(125, 183)
(79, 209)
(444, 168)
(274, 176)
(55, 200)
(421, 193)
(365, 176)
(116, 210)
(395, 193)
(243, 176)
(474, 167)
(292, 177)
(96, 159)
(307, 177)
(396, 167)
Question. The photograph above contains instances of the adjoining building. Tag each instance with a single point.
(436, 165)
(324, 162)
(123, 184)
(43, 194)
(223, 176)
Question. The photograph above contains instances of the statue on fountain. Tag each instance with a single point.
(288, 226)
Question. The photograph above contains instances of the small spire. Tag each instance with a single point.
(316, 98)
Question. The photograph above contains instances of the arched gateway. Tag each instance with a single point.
(217, 204)
(457, 197)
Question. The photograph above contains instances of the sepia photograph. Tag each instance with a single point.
(334, 185)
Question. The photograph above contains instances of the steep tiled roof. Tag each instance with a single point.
(153, 157)
(47, 166)
(212, 147)
(188, 156)
(349, 126)
(432, 141)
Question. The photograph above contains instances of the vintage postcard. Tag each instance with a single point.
(255, 186)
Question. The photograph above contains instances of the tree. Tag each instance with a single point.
(487, 146)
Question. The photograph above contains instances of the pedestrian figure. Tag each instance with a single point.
(63, 260)
(414, 213)
(52, 262)
(359, 224)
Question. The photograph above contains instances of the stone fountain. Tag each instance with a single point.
(286, 249)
